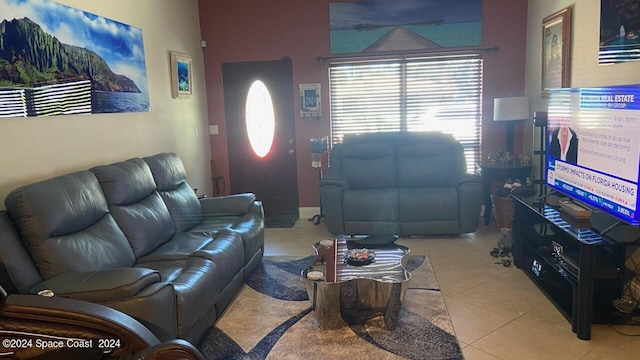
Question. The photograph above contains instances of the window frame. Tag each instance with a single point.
(396, 105)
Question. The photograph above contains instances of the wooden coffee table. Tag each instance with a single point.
(346, 294)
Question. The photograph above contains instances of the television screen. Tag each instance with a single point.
(593, 147)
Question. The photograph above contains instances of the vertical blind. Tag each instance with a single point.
(422, 94)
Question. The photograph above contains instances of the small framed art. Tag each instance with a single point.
(310, 104)
(181, 75)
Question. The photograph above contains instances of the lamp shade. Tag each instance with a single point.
(511, 108)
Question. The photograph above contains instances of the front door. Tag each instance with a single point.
(258, 100)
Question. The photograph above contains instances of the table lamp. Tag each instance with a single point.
(510, 109)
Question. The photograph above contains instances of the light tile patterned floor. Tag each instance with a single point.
(497, 312)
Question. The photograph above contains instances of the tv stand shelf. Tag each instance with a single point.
(580, 271)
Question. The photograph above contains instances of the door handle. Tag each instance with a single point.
(291, 152)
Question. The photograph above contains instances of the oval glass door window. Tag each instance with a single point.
(260, 118)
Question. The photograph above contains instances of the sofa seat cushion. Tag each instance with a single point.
(225, 248)
(371, 204)
(66, 225)
(432, 203)
(196, 288)
(250, 226)
(371, 211)
(100, 286)
(227, 251)
(179, 247)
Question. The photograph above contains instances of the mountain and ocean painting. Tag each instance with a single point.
(57, 60)
(398, 25)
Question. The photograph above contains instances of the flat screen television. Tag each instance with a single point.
(593, 148)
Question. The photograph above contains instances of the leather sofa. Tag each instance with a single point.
(400, 183)
(133, 236)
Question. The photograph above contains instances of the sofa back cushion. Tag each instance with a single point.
(429, 159)
(171, 182)
(135, 204)
(66, 225)
(398, 159)
(369, 165)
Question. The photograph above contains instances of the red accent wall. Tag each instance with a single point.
(253, 30)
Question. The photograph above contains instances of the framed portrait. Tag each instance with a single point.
(556, 46)
(181, 75)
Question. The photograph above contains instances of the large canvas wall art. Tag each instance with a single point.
(57, 60)
(619, 31)
(399, 25)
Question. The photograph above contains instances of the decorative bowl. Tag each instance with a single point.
(359, 257)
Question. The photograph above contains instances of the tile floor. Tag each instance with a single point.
(497, 312)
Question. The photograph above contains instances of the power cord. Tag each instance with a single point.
(630, 320)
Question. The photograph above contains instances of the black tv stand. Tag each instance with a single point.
(611, 227)
(579, 269)
(541, 200)
(618, 231)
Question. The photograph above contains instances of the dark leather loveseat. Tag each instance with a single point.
(134, 237)
(401, 183)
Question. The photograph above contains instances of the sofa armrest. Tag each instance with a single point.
(170, 350)
(100, 286)
(464, 178)
(37, 317)
(257, 209)
(332, 180)
(332, 190)
(236, 204)
(470, 199)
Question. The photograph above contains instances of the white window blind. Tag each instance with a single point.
(427, 94)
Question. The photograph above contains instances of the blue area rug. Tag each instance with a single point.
(272, 319)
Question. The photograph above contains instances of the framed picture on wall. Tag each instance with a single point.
(619, 32)
(556, 46)
(181, 75)
(107, 56)
(310, 104)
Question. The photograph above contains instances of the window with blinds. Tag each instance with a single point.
(423, 94)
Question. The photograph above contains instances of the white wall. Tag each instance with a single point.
(33, 149)
(585, 35)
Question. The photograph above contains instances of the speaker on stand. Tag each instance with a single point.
(540, 151)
